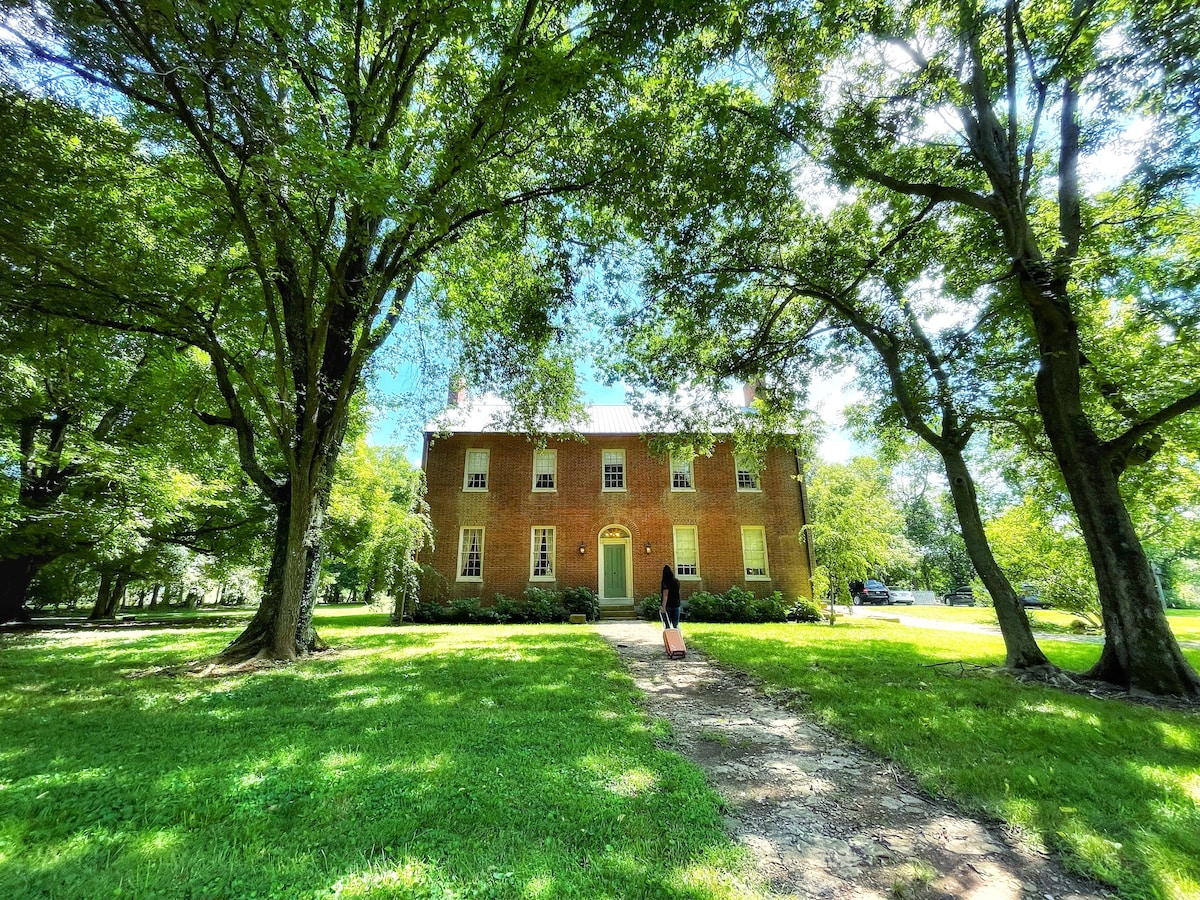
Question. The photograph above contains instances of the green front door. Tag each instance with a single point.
(614, 571)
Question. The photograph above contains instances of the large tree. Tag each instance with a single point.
(351, 154)
(998, 111)
(103, 460)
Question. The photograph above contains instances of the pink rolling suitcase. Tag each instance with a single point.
(672, 641)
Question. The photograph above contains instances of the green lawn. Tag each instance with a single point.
(969, 615)
(417, 762)
(1184, 622)
(1114, 787)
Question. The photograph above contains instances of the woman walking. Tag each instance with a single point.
(669, 610)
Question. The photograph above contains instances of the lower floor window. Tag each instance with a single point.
(470, 554)
(542, 553)
(754, 551)
(687, 564)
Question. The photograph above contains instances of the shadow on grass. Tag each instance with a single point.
(1110, 784)
(418, 762)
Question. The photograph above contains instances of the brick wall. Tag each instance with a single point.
(579, 510)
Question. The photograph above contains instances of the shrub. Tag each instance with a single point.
(648, 608)
(705, 606)
(805, 610)
(543, 606)
(736, 605)
(536, 605)
(428, 612)
(581, 600)
(510, 609)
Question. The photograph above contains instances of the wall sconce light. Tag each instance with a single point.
(582, 549)
(647, 548)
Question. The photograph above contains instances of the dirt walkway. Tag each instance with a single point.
(826, 819)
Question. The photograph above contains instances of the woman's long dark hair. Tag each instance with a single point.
(668, 579)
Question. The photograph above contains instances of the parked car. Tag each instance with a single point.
(875, 592)
(960, 596)
(898, 597)
(1032, 600)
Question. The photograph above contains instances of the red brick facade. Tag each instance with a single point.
(591, 524)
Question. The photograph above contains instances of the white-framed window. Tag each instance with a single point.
(681, 472)
(470, 554)
(747, 472)
(687, 557)
(614, 470)
(754, 553)
(475, 477)
(545, 470)
(541, 554)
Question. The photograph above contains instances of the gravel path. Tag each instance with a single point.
(823, 818)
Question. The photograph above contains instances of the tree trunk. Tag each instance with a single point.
(106, 596)
(1021, 648)
(306, 633)
(154, 595)
(282, 626)
(16, 574)
(1140, 651)
(119, 590)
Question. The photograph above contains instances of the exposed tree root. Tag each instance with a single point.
(220, 666)
(1072, 683)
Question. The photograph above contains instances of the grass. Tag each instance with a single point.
(1114, 787)
(1184, 622)
(492, 762)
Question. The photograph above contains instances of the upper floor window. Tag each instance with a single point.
(476, 477)
(681, 472)
(541, 556)
(747, 473)
(754, 553)
(614, 470)
(545, 470)
(687, 563)
(470, 554)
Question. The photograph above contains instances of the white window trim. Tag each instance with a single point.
(554, 470)
(675, 540)
(766, 576)
(462, 533)
(624, 471)
(487, 474)
(737, 482)
(691, 473)
(553, 576)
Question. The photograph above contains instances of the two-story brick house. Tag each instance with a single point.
(604, 513)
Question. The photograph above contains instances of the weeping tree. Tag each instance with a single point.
(352, 157)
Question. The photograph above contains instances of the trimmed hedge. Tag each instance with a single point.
(737, 605)
(534, 606)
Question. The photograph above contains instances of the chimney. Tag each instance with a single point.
(749, 390)
(457, 394)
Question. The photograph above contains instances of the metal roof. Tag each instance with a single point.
(489, 417)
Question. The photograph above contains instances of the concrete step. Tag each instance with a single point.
(618, 611)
